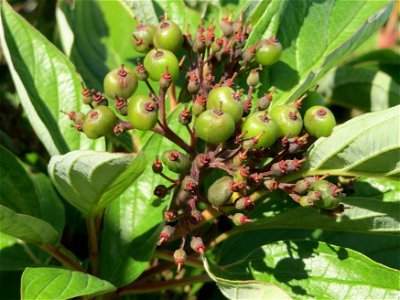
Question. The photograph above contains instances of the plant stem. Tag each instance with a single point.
(169, 134)
(159, 286)
(93, 244)
(172, 97)
(61, 257)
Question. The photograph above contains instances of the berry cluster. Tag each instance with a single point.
(254, 145)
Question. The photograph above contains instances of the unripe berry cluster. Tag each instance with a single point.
(254, 144)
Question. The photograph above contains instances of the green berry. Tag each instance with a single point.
(288, 119)
(98, 122)
(328, 198)
(156, 62)
(302, 186)
(319, 121)
(305, 201)
(168, 36)
(143, 37)
(253, 79)
(223, 98)
(142, 112)
(219, 192)
(77, 117)
(259, 123)
(214, 126)
(268, 52)
(176, 161)
(86, 95)
(121, 82)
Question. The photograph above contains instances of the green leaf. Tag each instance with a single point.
(362, 88)
(381, 188)
(180, 13)
(97, 36)
(52, 283)
(91, 180)
(382, 248)
(17, 191)
(364, 214)
(46, 83)
(316, 36)
(245, 289)
(367, 145)
(143, 10)
(51, 206)
(20, 203)
(307, 269)
(15, 254)
(132, 223)
(26, 227)
(267, 25)
(380, 56)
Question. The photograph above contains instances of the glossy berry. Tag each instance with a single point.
(268, 52)
(302, 186)
(121, 82)
(240, 219)
(166, 233)
(157, 166)
(244, 203)
(168, 36)
(86, 95)
(160, 191)
(279, 168)
(122, 106)
(176, 161)
(314, 196)
(156, 62)
(223, 98)
(329, 198)
(195, 216)
(214, 126)
(253, 79)
(258, 124)
(77, 117)
(305, 201)
(143, 37)
(180, 257)
(226, 26)
(142, 112)
(196, 243)
(199, 105)
(220, 192)
(288, 119)
(319, 121)
(98, 122)
(189, 184)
